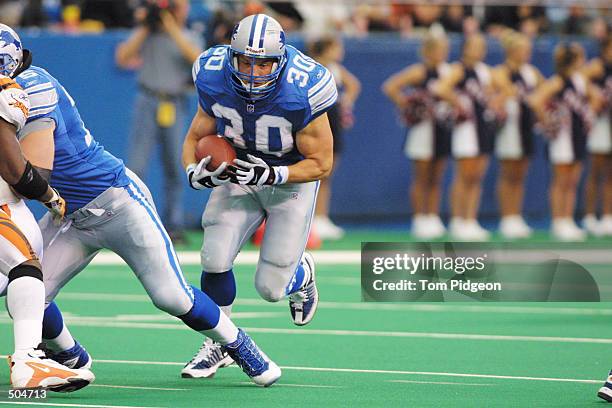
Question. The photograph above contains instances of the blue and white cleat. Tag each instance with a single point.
(605, 392)
(303, 303)
(252, 360)
(75, 357)
(209, 358)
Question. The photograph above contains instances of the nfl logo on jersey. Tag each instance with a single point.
(250, 108)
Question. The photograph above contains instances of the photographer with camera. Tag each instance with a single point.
(163, 50)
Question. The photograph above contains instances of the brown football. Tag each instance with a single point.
(218, 148)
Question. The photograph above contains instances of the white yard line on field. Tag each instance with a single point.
(373, 371)
(373, 306)
(97, 322)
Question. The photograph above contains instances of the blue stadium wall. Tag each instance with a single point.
(372, 179)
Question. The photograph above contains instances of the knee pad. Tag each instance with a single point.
(269, 286)
(216, 258)
(271, 279)
(169, 302)
(278, 261)
(25, 270)
(270, 293)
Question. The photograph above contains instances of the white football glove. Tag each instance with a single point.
(200, 178)
(256, 172)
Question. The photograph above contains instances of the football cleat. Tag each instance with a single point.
(303, 303)
(33, 369)
(605, 392)
(207, 361)
(254, 362)
(75, 357)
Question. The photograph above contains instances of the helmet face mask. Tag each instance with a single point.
(11, 51)
(257, 37)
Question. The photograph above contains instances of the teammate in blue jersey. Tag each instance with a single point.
(109, 207)
(269, 101)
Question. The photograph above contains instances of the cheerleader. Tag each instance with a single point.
(564, 106)
(599, 145)
(515, 140)
(469, 87)
(428, 141)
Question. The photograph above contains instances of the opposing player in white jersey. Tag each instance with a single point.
(20, 240)
(269, 101)
(107, 206)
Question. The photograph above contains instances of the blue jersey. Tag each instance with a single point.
(265, 128)
(82, 169)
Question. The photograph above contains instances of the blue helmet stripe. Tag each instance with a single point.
(263, 32)
(252, 35)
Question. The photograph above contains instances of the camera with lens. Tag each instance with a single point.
(153, 9)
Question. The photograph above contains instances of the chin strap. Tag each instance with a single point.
(25, 64)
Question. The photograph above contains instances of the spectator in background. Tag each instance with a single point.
(372, 17)
(324, 16)
(407, 17)
(111, 14)
(401, 18)
(220, 27)
(577, 22)
(11, 12)
(526, 18)
(424, 15)
(329, 51)
(287, 15)
(600, 30)
(33, 14)
(163, 50)
(455, 17)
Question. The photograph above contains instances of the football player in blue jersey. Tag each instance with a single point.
(269, 101)
(107, 206)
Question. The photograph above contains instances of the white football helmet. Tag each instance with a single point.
(11, 51)
(257, 36)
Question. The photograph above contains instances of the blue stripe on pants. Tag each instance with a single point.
(162, 231)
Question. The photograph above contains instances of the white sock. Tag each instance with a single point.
(227, 310)
(26, 304)
(224, 332)
(62, 342)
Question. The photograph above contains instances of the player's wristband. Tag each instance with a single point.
(281, 174)
(190, 169)
(31, 185)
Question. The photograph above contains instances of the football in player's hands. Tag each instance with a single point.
(218, 148)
